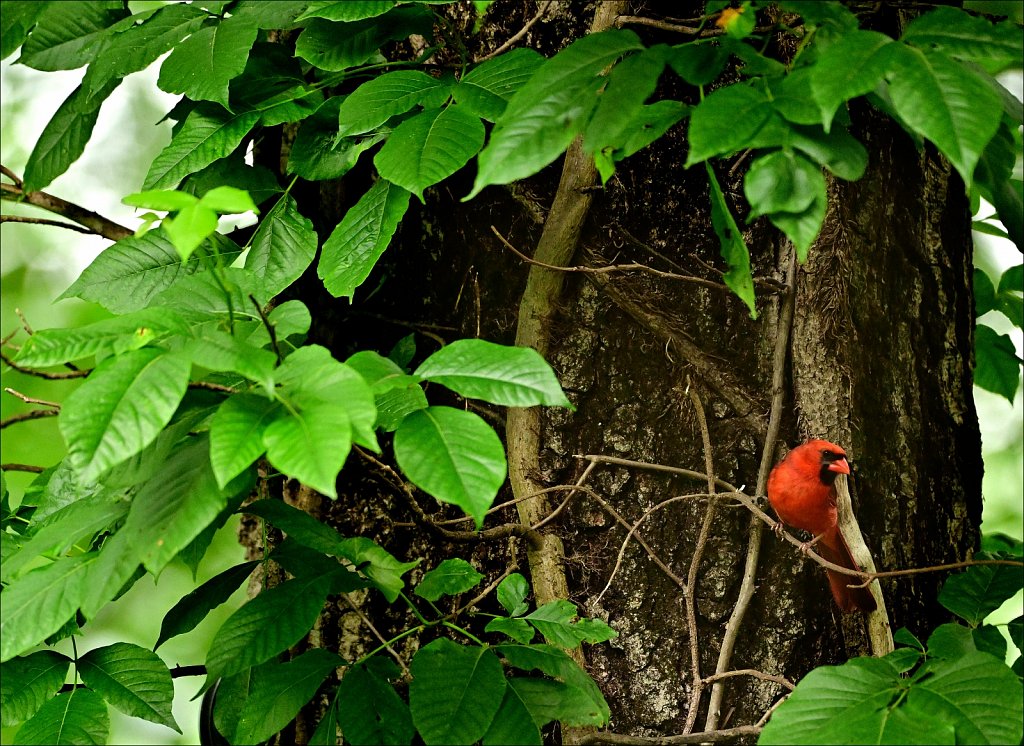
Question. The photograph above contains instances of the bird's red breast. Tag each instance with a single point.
(801, 488)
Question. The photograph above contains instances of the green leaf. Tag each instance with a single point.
(283, 246)
(996, 366)
(1012, 280)
(173, 507)
(548, 700)
(298, 525)
(338, 46)
(18, 19)
(486, 89)
(62, 529)
(29, 682)
(430, 147)
(511, 376)
(64, 137)
(193, 608)
(726, 121)
(977, 695)
(75, 717)
(556, 620)
(228, 200)
(267, 625)
(326, 733)
(851, 66)
(161, 199)
(377, 100)
(455, 692)
(189, 228)
(454, 456)
(127, 275)
(518, 629)
(369, 709)
(395, 393)
(698, 63)
(733, 248)
(781, 182)
(592, 707)
(512, 593)
(450, 578)
(358, 241)
(279, 691)
(204, 296)
(972, 38)
(141, 44)
(544, 116)
(793, 100)
(318, 153)
(837, 150)
(208, 134)
(630, 84)
(65, 34)
(802, 228)
(223, 48)
(347, 10)
(310, 442)
(984, 293)
(121, 408)
(219, 351)
(290, 319)
(947, 102)
(236, 434)
(110, 574)
(978, 591)
(377, 564)
(513, 724)
(132, 679)
(39, 603)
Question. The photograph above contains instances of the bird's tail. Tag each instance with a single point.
(833, 547)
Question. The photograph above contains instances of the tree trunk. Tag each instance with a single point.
(878, 360)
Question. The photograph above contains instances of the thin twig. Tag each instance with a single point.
(11, 175)
(612, 268)
(647, 466)
(24, 322)
(34, 414)
(748, 584)
(780, 680)
(31, 400)
(270, 328)
(46, 221)
(698, 553)
(714, 736)
(484, 593)
(91, 220)
(22, 467)
(518, 35)
(41, 373)
(365, 620)
(210, 386)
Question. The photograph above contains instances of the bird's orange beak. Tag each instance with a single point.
(841, 466)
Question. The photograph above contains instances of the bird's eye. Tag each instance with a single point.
(828, 455)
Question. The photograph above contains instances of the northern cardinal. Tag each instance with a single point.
(801, 489)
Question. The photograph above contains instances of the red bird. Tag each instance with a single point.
(802, 490)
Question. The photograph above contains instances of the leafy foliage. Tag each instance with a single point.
(202, 376)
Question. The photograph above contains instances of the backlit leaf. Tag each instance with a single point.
(202, 66)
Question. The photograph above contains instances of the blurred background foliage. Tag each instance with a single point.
(37, 263)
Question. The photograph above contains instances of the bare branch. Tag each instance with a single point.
(46, 221)
(34, 414)
(91, 220)
(41, 373)
(32, 468)
(518, 35)
(30, 400)
(712, 736)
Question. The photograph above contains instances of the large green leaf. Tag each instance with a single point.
(283, 246)
(208, 134)
(318, 153)
(66, 33)
(219, 351)
(781, 182)
(376, 563)
(138, 46)
(513, 724)
(192, 608)
(121, 408)
(346, 10)
(65, 135)
(967, 37)
(996, 365)
(630, 84)
(236, 434)
(369, 709)
(18, 18)
(309, 441)
(38, 603)
(455, 692)
(556, 620)
(726, 121)
(126, 275)
(116, 567)
(338, 46)
(453, 455)
(202, 66)
(852, 66)
(77, 717)
(802, 228)
(544, 116)
(734, 249)
(588, 705)
(511, 376)
(429, 147)
(268, 625)
(132, 679)
(173, 507)
(947, 102)
(379, 99)
(29, 682)
(279, 691)
(357, 242)
(486, 89)
(395, 392)
(978, 591)
(450, 578)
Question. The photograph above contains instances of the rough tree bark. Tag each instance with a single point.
(878, 361)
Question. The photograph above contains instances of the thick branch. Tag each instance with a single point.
(91, 220)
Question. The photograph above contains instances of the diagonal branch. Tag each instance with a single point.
(91, 220)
